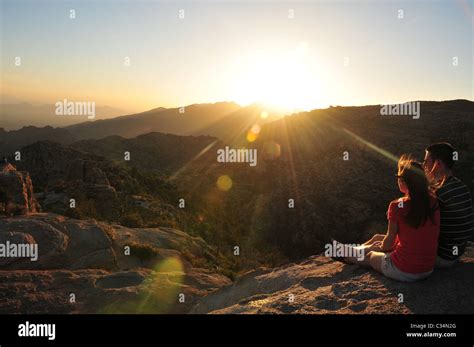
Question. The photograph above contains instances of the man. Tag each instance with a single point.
(457, 223)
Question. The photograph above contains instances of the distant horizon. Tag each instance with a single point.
(281, 114)
(230, 101)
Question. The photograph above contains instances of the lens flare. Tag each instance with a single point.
(224, 183)
(159, 291)
(251, 137)
(255, 129)
(252, 134)
(272, 149)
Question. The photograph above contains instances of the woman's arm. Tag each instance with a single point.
(388, 241)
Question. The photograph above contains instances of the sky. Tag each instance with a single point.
(297, 55)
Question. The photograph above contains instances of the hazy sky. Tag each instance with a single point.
(330, 53)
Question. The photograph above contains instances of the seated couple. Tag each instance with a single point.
(429, 226)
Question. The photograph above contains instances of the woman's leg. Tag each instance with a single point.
(372, 259)
(375, 260)
(367, 250)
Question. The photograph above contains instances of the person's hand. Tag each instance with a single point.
(384, 249)
(376, 246)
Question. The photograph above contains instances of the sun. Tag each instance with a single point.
(281, 80)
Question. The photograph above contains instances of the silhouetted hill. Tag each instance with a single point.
(16, 115)
(14, 140)
(162, 120)
(224, 120)
(233, 128)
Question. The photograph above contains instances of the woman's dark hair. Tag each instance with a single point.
(413, 175)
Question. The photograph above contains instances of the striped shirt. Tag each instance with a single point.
(457, 223)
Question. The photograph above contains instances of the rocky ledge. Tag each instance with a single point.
(322, 286)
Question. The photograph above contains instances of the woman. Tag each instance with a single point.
(407, 252)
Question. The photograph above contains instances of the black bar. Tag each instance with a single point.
(159, 330)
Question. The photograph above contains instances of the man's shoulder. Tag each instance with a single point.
(451, 184)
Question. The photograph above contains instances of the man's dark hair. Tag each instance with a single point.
(442, 151)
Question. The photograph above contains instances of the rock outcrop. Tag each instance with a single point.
(63, 243)
(108, 268)
(63, 174)
(17, 190)
(322, 286)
